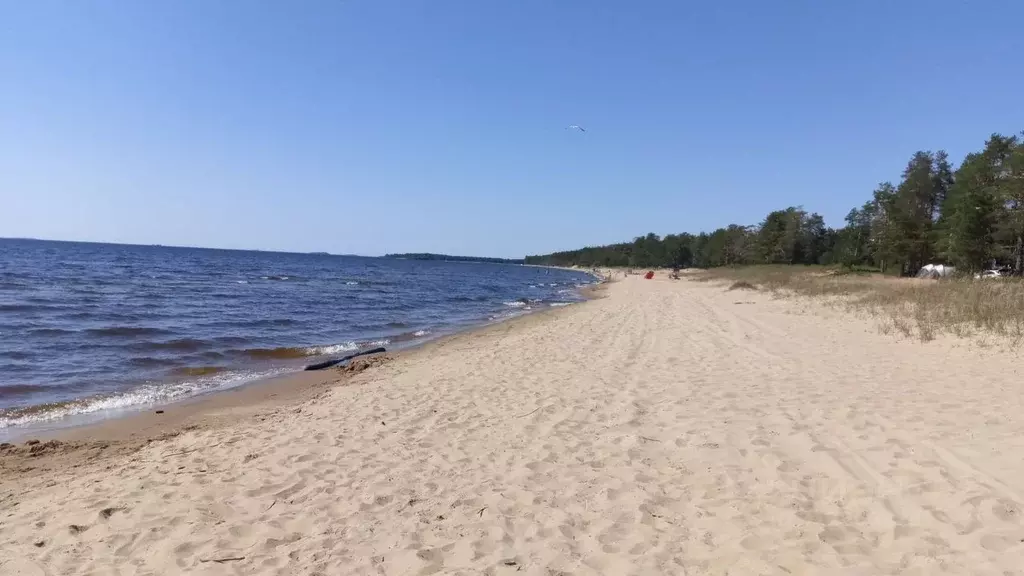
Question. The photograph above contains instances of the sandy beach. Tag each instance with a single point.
(667, 427)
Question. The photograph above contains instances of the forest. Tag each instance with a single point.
(971, 217)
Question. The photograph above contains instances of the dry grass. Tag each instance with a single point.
(742, 285)
(907, 306)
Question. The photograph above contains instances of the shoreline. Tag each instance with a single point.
(135, 428)
(55, 428)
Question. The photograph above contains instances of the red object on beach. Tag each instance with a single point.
(649, 275)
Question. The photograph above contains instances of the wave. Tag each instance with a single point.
(557, 304)
(247, 323)
(146, 395)
(19, 390)
(182, 344)
(128, 331)
(49, 332)
(18, 307)
(200, 371)
(467, 299)
(403, 337)
(505, 315)
(275, 277)
(151, 362)
(284, 353)
(515, 304)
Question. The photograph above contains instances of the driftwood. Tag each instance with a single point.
(329, 363)
(222, 560)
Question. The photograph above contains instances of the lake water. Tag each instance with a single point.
(101, 328)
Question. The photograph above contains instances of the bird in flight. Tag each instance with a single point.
(576, 127)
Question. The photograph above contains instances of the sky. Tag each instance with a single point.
(376, 126)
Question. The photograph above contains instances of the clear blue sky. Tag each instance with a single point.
(370, 126)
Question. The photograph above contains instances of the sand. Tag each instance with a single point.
(670, 427)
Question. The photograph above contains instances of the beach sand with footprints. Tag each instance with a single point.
(666, 427)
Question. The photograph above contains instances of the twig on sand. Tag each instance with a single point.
(481, 512)
(649, 439)
(530, 412)
(222, 560)
(271, 505)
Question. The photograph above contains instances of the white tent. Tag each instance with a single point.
(935, 271)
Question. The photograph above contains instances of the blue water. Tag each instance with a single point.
(89, 328)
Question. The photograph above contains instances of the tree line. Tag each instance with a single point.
(971, 218)
(450, 258)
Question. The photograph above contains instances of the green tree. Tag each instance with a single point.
(971, 210)
(966, 217)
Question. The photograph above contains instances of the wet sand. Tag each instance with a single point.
(670, 427)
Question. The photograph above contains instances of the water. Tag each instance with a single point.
(100, 328)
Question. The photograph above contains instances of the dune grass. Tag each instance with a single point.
(742, 285)
(907, 306)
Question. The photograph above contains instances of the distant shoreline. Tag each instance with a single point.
(429, 256)
(397, 256)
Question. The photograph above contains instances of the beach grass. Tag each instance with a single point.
(910, 307)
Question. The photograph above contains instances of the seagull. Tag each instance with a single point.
(576, 127)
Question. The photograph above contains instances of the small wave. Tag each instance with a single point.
(515, 304)
(184, 344)
(19, 390)
(468, 299)
(275, 277)
(17, 307)
(351, 283)
(142, 396)
(241, 281)
(16, 355)
(150, 362)
(558, 304)
(131, 331)
(284, 353)
(404, 337)
(200, 371)
(279, 353)
(49, 332)
(332, 349)
(269, 322)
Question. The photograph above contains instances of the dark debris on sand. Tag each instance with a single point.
(357, 365)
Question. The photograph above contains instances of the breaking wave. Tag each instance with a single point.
(141, 396)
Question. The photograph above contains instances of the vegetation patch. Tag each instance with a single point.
(909, 307)
(742, 285)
